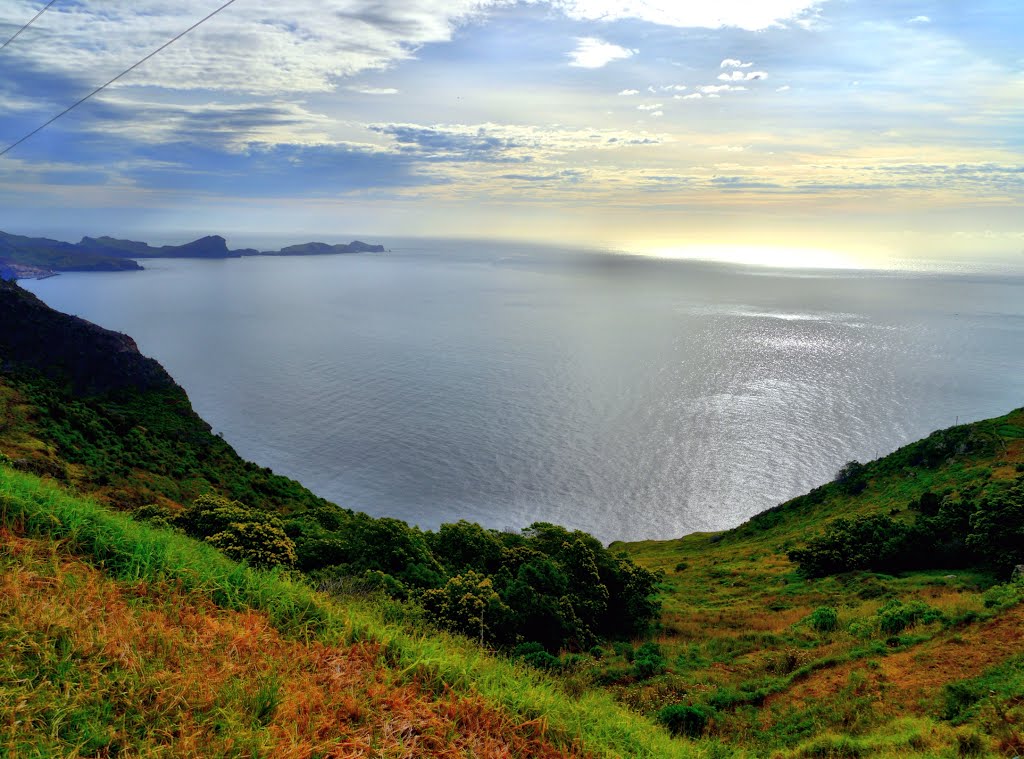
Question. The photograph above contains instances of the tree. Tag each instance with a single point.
(997, 528)
(468, 604)
(240, 532)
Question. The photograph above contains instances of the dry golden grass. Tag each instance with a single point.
(185, 678)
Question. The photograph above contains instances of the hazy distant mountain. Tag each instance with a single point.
(212, 246)
(33, 257)
(322, 248)
(39, 256)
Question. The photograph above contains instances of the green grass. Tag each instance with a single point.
(127, 550)
(737, 628)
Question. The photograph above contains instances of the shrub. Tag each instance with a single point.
(997, 528)
(824, 619)
(867, 542)
(649, 661)
(852, 477)
(241, 533)
(959, 698)
(680, 719)
(536, 656)
(895, 616)
(468, 604)
(259, 543)
(1004, 596)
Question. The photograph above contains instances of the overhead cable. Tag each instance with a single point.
(104, 86)
(31, 21)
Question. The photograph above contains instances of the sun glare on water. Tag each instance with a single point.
(762, 255)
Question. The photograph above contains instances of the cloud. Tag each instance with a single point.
(734, 63)
(742, 183)
(742, 76)
(783, 88)
(629, 92)
(570, 175)
(374, 90)
(691, 96)
(711, 89)
(502, 143)
(233, 127)
(254, 48)
(744, 14)
(649, 107)
(454, 144)
(592, 53)
(919, 20)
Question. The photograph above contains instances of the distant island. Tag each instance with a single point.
(24, 257)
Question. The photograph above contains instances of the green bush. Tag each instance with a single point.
(536, 656)
(683, 720)
(895, 616)
(1004, 596)
(824, 619)
(239, 532)
(984, 528)
(852, 477)
(258, 543)
(468, 604)
(866, 542)
(648, 661)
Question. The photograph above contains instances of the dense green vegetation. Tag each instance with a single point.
(983, 526)
(147, 453)
(51, 706)
(901, 605)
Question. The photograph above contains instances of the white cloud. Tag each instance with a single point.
(592, 53)
(734, 63)
(919, 20)
(374, 90)
(709, 89)
(742, 76)
(256, 48)
(729, 148)
(691, 96)
(650, 107)
(783, 88)
(752, 15)
(629, 92)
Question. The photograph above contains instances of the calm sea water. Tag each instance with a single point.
(632, 398)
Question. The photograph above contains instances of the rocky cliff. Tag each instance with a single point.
(67, 349)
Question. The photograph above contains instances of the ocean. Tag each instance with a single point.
(631, 397)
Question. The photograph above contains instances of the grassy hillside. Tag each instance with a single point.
(743, 638)
(123, 638)
(753, 655)
(873, 616)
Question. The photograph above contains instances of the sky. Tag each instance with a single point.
(816, 132)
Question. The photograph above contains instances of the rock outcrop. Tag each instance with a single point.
(67, 349)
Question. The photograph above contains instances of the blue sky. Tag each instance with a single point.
(847, 130)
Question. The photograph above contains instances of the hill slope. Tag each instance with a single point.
(915, 650)
(924, 658)
(121, 637)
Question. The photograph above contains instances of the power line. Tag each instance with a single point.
(31, 21)
(104, 86)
